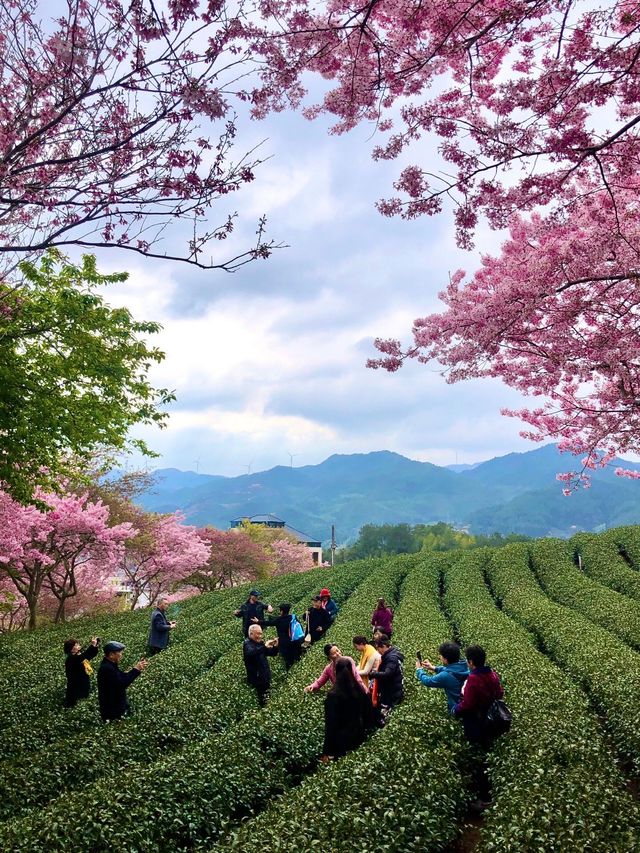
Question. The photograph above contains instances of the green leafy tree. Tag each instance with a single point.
(73, 373)
(377, 539)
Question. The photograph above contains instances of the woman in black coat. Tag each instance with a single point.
(346, 713)
(77, 670)
(290, 651)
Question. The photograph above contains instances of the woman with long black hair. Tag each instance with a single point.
(346, 713)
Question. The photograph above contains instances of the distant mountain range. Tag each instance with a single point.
(517, 493)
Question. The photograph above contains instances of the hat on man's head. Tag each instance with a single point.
(254, 592)
(326, 592)
(113, 646)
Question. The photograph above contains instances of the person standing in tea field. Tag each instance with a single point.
(255, 653)
(318, 620)
(480, 690)
(388, 677)
(333, 654)
(252, 611)
(329, 604)
(160, 629)
(347, 712)
(78, 669)
(450, 676)
(382, 618)
(369, 658)
(113, 683)
(290, 649)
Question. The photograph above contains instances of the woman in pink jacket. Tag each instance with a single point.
(333, 653)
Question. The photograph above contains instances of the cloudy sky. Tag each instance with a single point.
(268, 363)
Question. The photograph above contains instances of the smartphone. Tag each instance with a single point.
(419, 656)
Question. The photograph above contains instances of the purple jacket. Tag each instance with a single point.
(383, 618)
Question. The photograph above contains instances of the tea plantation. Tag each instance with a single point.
(200, 767)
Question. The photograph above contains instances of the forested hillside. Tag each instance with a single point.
(517, 493)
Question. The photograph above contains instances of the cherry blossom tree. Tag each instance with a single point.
(234, 558)
(534, 108)
(56, 548)
(84, 550)
(23, 560)
(290, 557)
(117, 121)
(163, 554)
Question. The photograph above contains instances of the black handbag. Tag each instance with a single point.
(498, 718)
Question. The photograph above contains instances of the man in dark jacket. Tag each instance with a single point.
(480, 689)
(160, 628)
(255, 653)
(252, 612)
(388, 677)
(77, 670)
(112, 683)
(318, 620)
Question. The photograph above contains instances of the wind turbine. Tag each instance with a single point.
(248, 467)
(292, 457)
(196, 462)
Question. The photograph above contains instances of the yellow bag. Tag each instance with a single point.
(87, 667)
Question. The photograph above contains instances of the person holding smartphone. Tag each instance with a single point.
(449, 676)
(113, 683)
(78, 669)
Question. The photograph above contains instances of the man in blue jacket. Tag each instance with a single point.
(449, 677)
(160, 628)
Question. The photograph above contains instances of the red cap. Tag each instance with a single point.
(325, 591)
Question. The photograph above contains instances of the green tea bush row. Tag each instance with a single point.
(400, 791)
(192, 635)
(607, 668)
(628, 541)
(39, 671)
(555, 784)
(166, 805)
(563, 581)
(167, 716)
(601, 560)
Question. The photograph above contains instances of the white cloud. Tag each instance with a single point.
(270, 361)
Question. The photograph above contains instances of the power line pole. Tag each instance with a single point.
(333, 543)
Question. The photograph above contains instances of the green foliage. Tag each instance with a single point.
(606, 668)
(602, 559)
(200, 767)
(376, 540)
(555, 783)
(73, 371)
(567, 585)
(400, 791)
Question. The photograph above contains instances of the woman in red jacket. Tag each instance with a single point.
(479, 691)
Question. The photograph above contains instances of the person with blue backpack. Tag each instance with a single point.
(290, 634)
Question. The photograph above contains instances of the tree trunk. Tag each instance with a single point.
(33, 607)
(60, 612)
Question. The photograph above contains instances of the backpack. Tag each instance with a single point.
(498, 718)
(296, 631)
